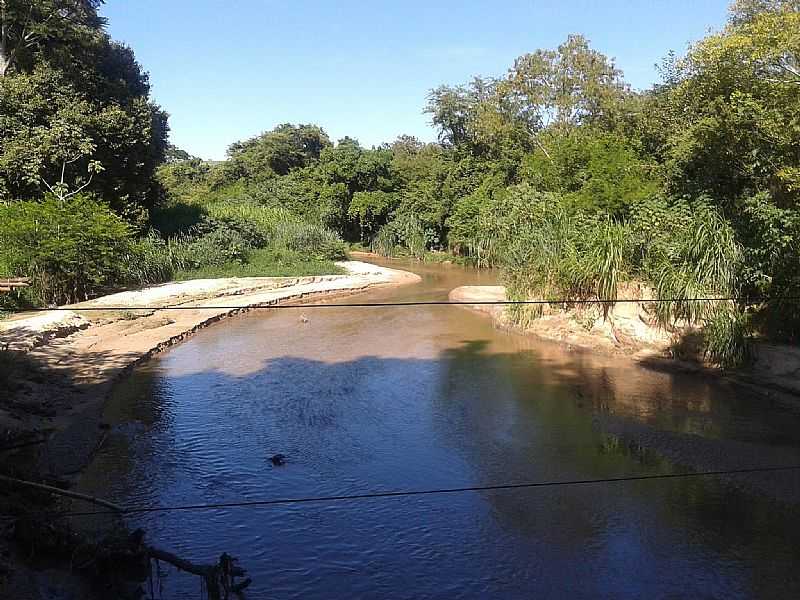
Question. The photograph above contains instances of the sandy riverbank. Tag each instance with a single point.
(628, 331)
(70, 358)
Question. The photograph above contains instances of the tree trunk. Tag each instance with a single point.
(5, 59)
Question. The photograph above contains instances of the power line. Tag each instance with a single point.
(429, 492)
(271, 305)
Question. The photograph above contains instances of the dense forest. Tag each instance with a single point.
(556, 171)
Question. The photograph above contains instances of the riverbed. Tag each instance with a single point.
(410, 398)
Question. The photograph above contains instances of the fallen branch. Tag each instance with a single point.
(219, 578)
(59, 492)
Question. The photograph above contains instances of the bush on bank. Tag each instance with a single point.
(78, 248)
(70, 249)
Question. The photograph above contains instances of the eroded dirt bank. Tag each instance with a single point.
(629, 330)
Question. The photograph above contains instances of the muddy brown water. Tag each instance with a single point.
(376, 399)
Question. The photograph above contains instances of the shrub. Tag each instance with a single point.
(177, 218)
(314, 239)
(148, 260)
(233, 229)
(406, 234)
(70, 249)
(217, 247)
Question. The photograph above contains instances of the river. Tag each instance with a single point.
(409, 398)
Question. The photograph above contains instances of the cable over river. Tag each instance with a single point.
(414, 398)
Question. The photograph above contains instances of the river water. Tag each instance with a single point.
(381, 399)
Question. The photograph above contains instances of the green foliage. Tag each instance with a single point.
(97, 131)
(54, 31)
(279, 151)
(71, 250)
(607, 259)
(726, 338)
(217, 247)
(559, 253)
(732, 109)
(463, 223)
(703, 260)
(235, 230)
(316, 241)
(177, 217)
(406, 234)
(599, 172)
(572, 85)
(372, 210)
(149, 259)
(266, 262)
(178, 176)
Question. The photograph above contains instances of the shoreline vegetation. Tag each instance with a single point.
(631, 331)
(555, 172)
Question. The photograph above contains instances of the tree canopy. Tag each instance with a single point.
(75, 108)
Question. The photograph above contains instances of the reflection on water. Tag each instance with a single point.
(412, 398)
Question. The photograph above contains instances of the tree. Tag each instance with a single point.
(736, 130)
(745, 11)
(452, 110)
(572, 85)
(279, 151)
(500, 120)
(173, 154)
(31, 30)
(50, 131)
(372, 210)
(600, 172)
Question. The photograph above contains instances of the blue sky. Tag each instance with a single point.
(228, 69)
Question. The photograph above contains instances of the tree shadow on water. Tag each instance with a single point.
(467, 417)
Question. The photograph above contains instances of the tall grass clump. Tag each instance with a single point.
(691, 255)
(548, 250)
(386, 242)
(606, 258)
(551, 250)
(311, 238)
(148, 260)
(702, 260)
(726, 337)
(404, 235)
